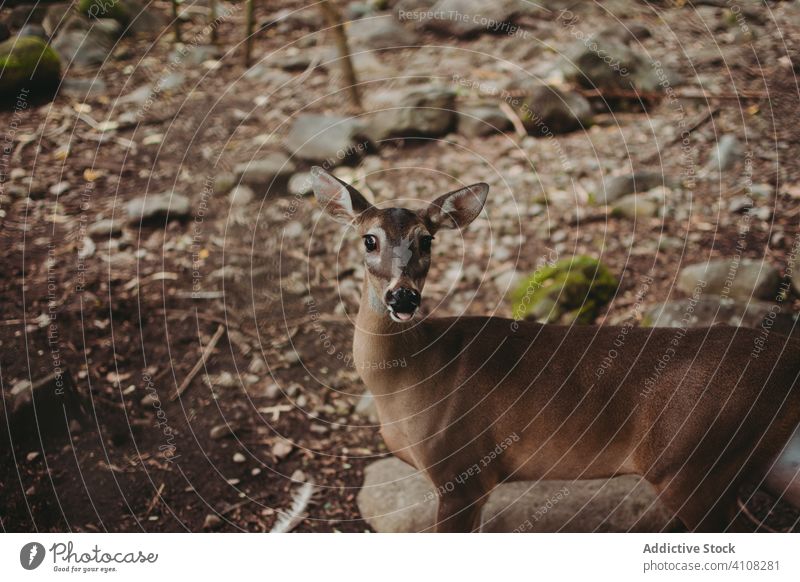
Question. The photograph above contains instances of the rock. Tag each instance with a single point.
(36, 30)
(397, 498)
(740, 280)
(547, 110)
(326, 139)
(38, 410)
(153, 208)
(379, 32)
(194, 55)
(56, 17)
(300, 184)
(466, 18)
(281, 449)
(212, 522)
(365, 407)
(793, 271)
(241, 195)
(482, 120)
(725, 153)
(721, 310)
(633, 207)
(570, 291)
(58, 188)
(615, 187)
(104, 229)
(4, 31)
(82, 89)
(239, 458)
(607, 64)
(222, 431)
(740, 204)
(267, 174)
(417, 112)
(27, 62)
(83, 47)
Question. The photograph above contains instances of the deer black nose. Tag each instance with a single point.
(403, 300)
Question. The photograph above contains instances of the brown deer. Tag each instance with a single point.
(485, 400)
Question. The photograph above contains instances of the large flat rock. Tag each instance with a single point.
(397, 498)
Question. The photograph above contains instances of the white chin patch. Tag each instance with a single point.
(400, 317)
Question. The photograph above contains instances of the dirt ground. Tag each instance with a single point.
(275, 403)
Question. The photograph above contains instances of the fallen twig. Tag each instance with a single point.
(200, 363)
(519, 127)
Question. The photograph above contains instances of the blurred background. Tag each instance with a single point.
(176, 315)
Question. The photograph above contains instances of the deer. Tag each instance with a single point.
(487, 400)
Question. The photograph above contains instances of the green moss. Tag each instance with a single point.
(27, 60)
(115, 9)
(570, 291)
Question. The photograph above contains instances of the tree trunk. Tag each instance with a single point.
(334, 20)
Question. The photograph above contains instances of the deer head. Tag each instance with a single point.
(396, 241)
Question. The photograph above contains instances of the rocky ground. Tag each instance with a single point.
(159, 236)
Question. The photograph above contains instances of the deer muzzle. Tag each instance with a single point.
(402, 303)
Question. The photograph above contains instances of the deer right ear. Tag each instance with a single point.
(339, 200)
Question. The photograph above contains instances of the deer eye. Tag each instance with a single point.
(425, 244)
(370, 243)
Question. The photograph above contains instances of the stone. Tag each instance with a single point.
(608, 64)
(270, 173)
(300, 184)
(569, 291)
(546, 109)
(366, 408)
(194, 55)
(740, 204)
(212, 522)
(56, 17)
(744, 279)
(28, 62)
(241, 195)
(153, 208)
(417, 112)
(239, 458)
(222, 431)
(483, 120)
(397, 498)
(4, 31)
(632, 206)
(710, 311)
(793, 271)
(326, 139)
(467, 18)
(36, 30)
(103, 229)
(83, 48)
(281, 449)
(379, 32)
(615, 187)
(725, 154)
(82, 89)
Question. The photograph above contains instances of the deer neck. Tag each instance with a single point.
(383, 349)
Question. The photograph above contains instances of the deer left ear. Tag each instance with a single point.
(338, 199)
(458, 208)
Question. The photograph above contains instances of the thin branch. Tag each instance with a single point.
(200, 363)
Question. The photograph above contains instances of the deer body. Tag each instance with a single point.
(485, 400)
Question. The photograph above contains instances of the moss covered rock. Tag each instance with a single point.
(27, 62)
(569, 291)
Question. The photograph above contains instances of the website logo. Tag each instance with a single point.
(31, 555)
